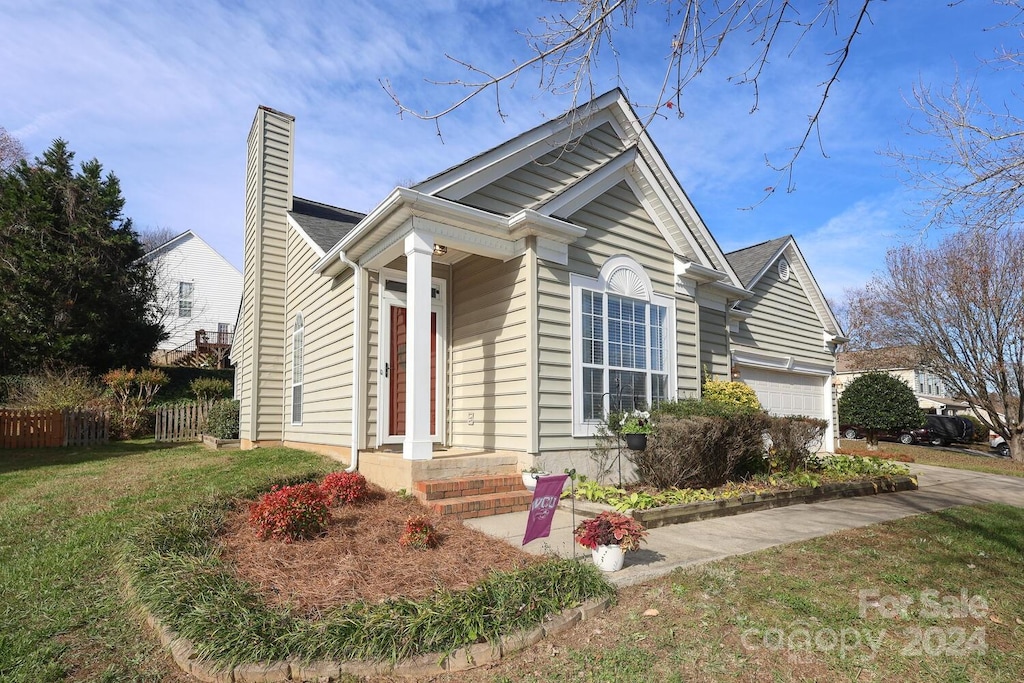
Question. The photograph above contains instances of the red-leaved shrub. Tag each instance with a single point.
(419, 533)
(290, 513)
(344, 487)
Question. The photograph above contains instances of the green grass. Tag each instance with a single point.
(64, 515)
(780, 614)
(926, 455)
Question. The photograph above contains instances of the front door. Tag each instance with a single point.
(396, 370)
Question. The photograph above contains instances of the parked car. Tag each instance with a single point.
(905, 436)
(998, 444)
(947, 429)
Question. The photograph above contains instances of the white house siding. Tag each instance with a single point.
(327, 314)
(714, 344)
(537, 181)
(268, 197)
(783, 320)
(216, 289)
(616, 223)
(489, 354)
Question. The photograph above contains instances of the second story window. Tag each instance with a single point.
(185, 290)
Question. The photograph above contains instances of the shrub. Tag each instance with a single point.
(877, 401)
(731, 393)
(54, 388)
(290, 513)
(419, 533)
(222, 420)
(701, 450)
(793, 439)
(210, 388)
(131, 393)
(344, 487)
(693, 407)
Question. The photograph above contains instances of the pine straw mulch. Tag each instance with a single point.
(359, 558)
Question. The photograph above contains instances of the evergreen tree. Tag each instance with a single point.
(876, 401)
(72, 290)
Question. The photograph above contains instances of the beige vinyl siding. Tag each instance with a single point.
(268, 197)
(616, 223)
(326, 305)
(782, 320)
(687, 376)
(714, 344)
(489, 354)
(539, 180)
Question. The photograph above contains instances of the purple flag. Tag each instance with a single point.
(542, 509)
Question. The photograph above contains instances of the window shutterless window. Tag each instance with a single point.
(185, 290)
(621, 334)
(298, 343)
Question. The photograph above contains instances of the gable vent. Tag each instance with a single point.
(784, 270)
(627, 283)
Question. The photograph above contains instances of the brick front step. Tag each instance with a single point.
(461, 487)
(483, 505)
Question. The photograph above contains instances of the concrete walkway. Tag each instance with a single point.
(680, 545)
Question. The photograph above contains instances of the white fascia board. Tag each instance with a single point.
(530, 222)
(328, 264)
(759, 359)
(695, 271)
(302, 233)
(732, 292)
(818, 300)
(662, 197)
(471, 175)
(590, 187)
(166, 246)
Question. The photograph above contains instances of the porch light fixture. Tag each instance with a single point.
(440, 250)
(735, 374)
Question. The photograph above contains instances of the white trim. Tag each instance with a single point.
(757, 359)
(590, 187)
(439, 306)
(637, 286)
(645, 172)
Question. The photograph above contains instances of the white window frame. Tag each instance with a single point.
(186, 298)
(298, 367)
(620, 276)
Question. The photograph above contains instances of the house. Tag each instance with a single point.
(906, 363)
(784, 337)
(487, 318)
(198, 293)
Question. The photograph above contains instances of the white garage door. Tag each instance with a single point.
(787, 393)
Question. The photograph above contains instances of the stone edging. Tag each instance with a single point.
(751, 502)
(185, 656)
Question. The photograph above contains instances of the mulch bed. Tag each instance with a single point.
(359, 558)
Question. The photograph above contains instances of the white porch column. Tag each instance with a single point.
(418, 444)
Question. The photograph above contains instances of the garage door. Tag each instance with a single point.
(787, 393)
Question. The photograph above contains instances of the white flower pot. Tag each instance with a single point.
(530, 479)
(608, 558)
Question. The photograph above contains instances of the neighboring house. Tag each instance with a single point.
(784, 336)
(905, 363)
(197, 295)
(551, 279)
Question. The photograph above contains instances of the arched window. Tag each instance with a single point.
(297, 353)
(623, 338)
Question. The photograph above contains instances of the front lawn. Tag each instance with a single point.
(941, 457)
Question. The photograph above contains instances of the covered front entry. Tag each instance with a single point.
(395, 343)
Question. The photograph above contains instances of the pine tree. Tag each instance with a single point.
(72, 290)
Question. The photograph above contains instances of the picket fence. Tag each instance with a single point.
(53, 428)
(181, 422)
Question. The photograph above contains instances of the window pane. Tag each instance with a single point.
(593, 393)
(627, 390)
(593, 328)
(658, 315)
(659, 389)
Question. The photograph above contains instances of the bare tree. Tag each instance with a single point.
(11, 150)
(566, 49)
(154, 237)
(965, 316)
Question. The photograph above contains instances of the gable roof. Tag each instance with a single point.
(888, 358)
(751, 263)
(178, 240)
(322, 224)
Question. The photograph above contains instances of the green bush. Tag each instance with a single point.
(877, 401)
(181, 378)
(701, 450)
(695, 407)
(731, 393)
(210, 388)
(222, 420)
(131, 393)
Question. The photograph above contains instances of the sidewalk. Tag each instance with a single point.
(680, 545)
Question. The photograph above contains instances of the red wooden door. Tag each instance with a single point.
(399, 340)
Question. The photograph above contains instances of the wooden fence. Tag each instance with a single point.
(53, 428)
(181, 422)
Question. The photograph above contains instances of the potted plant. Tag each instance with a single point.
(609, 536)
(530, 475)
(635, 426)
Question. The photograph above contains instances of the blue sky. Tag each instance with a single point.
(163, 95)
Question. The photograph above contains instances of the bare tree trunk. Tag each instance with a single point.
(1017, 448)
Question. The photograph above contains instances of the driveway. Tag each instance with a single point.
(680, 545)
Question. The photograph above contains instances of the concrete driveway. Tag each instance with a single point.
(697, 542)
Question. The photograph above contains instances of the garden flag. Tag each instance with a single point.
(542, 509)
